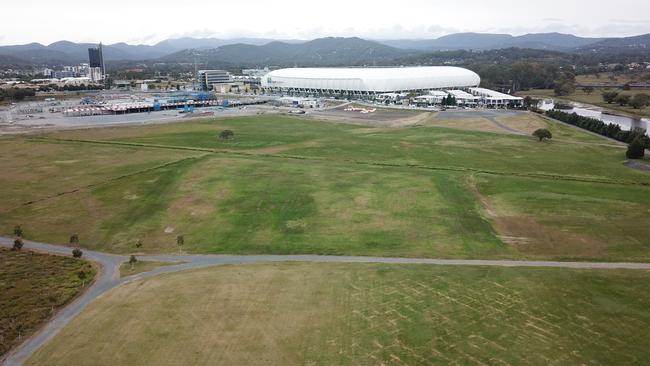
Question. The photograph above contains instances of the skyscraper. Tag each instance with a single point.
(96, 59)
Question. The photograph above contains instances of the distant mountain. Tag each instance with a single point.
(624, 45)
(330, 51)
(243, 52)
(487, 41)
(12, 62)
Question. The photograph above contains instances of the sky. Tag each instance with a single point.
(147, 22)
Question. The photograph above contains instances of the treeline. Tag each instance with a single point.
(70, 87)
(16, 94)
(595, 125)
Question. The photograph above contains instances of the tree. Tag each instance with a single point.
(138, 244)
(180, 241)
(74, 239)
(132, 261)
(588, 90)
(636, 149)
(542, 134)
(82, 276)
(565, 85)
(18, 244)
(77, 253)
(18, 231)
(610, 96)
(640, 100)
(528, 101)
(226, 134)
(622, 100)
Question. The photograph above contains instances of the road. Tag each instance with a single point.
(109, 277)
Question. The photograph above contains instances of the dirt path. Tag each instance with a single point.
(109, 278)
(638, 166)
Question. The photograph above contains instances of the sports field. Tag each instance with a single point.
(292, 185)
(364, 314)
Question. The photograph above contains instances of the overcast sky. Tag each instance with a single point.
(145, 21)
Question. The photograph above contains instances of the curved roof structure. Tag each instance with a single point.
(379, 80)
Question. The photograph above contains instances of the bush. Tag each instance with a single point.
(636, 149)
(77, 253)
(610, 96)
(18, 244)
(226, 134)
(622, 100)
(542, 134)
(640, 100)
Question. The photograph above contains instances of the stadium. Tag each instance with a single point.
(370, 80)
(430, 82)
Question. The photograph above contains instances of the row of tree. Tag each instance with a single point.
(16, 94)
(606, 129)
(640, 100)
(449, 100)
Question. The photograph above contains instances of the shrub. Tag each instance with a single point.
(77, 253)
(636, 149)
(610, 96)
(226, 134)
(18, 244)
(542, 134)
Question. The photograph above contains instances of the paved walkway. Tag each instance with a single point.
(109, 277)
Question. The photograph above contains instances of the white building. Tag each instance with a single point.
(369, 81)
(491, 98)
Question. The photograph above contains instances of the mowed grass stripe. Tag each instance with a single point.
(360, 162)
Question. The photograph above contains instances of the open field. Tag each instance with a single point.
(594, 98)
(33, 287)
(364, 314)
(295, 186)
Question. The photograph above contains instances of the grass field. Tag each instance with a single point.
(288, 185)
(357, 314)
(594, 98)
(32, 287)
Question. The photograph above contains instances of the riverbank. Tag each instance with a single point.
(594, 99)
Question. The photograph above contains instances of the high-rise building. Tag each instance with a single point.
(208, 78)
(96, 60)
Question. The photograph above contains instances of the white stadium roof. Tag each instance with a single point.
(378, 80)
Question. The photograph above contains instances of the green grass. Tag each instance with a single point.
(605, 222)
(364, 314)
(33, 287)
(326, 188)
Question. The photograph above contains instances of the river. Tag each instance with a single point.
(587, 110)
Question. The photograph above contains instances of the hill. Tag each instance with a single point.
(637, 44)
(488, 41)
(329, 51)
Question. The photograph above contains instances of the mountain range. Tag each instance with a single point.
(328, 51)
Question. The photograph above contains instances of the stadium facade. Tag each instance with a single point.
(369, 81)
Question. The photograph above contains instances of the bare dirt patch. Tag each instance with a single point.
(531, 237)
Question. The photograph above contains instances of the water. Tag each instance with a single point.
(586, 110)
